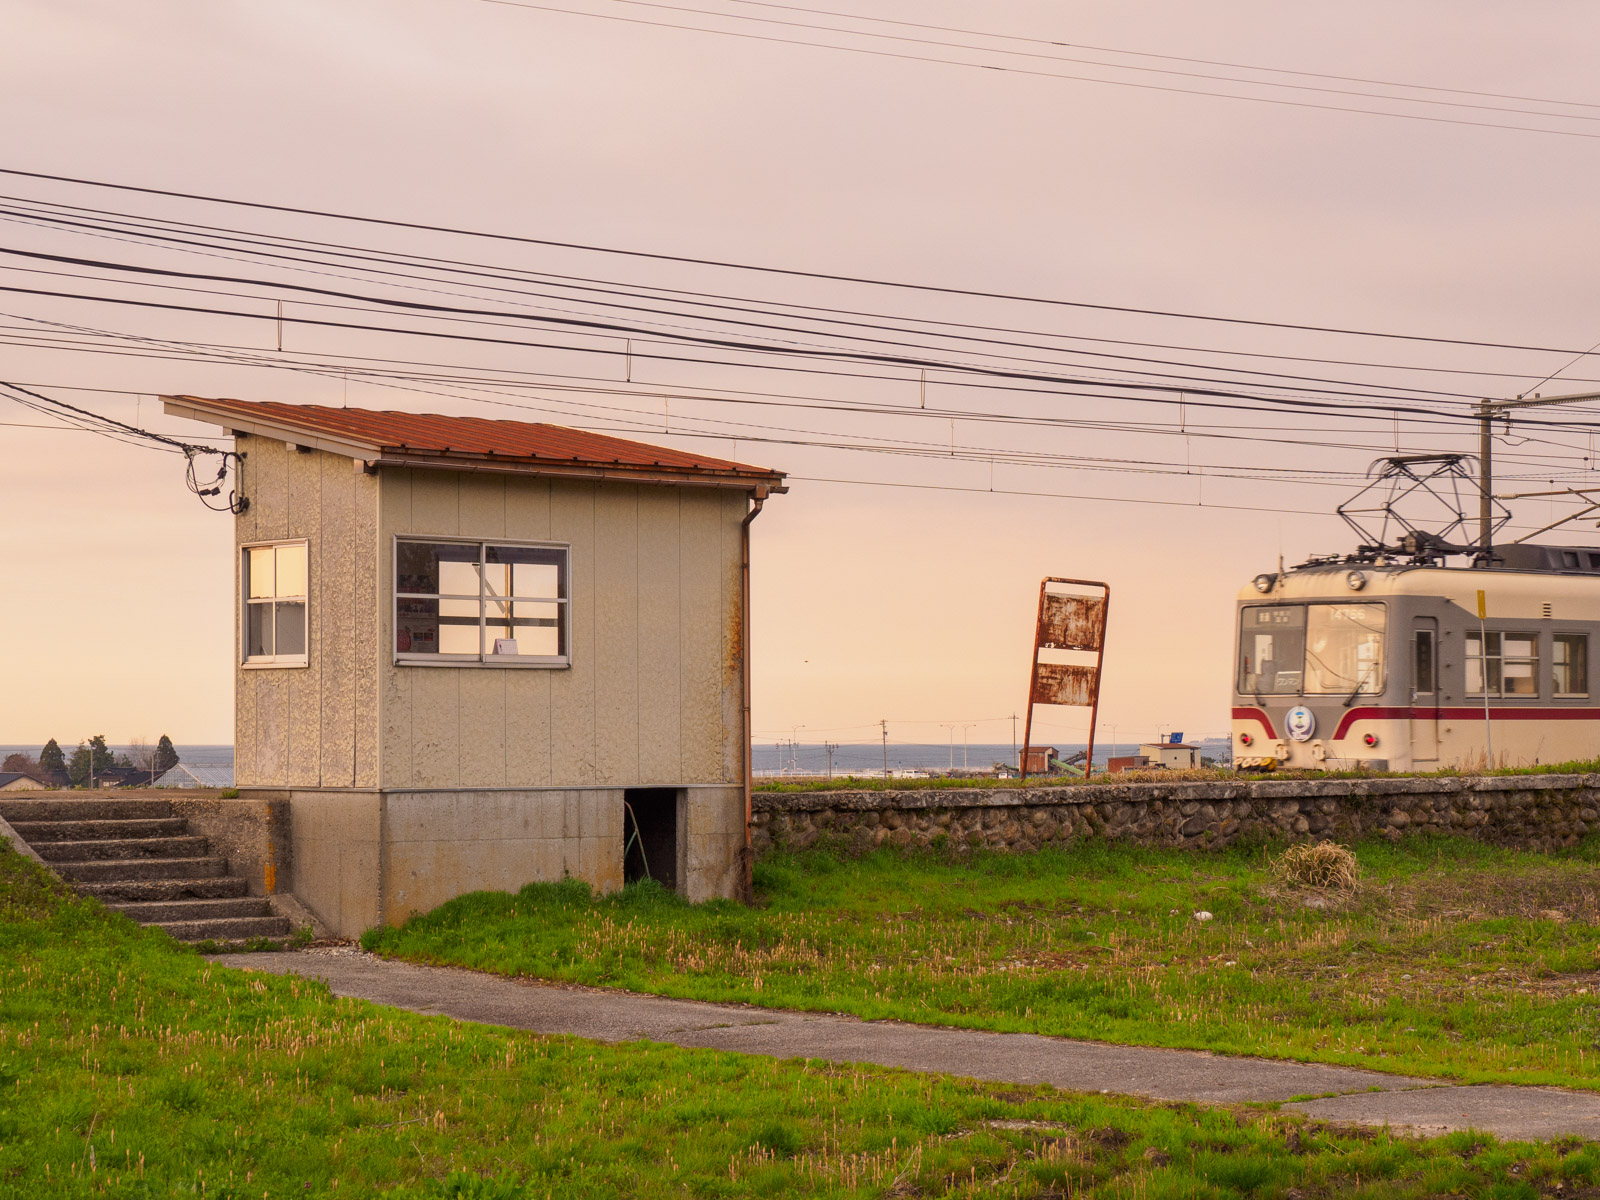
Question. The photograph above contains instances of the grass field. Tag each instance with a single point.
(132, 1067)
(1452, 959)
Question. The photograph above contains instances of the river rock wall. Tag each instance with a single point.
(1537, 812)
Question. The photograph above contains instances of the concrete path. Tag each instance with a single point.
(1355, 1096)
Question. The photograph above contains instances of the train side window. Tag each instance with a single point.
(1483, 661)
(1424, 673)
(1594, 561)
(1569, 559)
(1511, 664)
(1569, 664)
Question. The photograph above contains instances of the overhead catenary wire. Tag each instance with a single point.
(906, 56)
(797, 273)
(147, 227)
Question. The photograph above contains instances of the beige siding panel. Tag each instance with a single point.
(528, 761)
(395, 516)
(271, 499)
(482, 512)
(369, 623)
(435, 503)
(272, 727)
(700, 586)
(246, 769)
(735, 635)
(572, 691)
(304, 684)
(483, 727)
(660, 633)
(616, 606)
(335, 619)
(436, 726)
(528, 509)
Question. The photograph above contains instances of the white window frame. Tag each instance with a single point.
(260, 662)
(1500, 657)
(1555, 639)
(481, 659)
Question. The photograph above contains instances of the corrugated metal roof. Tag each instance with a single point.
(428, 435)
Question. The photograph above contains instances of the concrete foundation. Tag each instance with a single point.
(360, 858)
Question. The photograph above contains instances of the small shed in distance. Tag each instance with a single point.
(474, 654)
(1174, 755)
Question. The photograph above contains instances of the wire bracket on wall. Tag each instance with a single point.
(208, 489)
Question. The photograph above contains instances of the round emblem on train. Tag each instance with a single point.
(1300, 724)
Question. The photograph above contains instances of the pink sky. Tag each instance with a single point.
(871, 602)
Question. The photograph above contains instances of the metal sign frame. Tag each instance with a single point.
(1051, 634)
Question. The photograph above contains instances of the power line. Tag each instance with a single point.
(1056, 57)
(1030, 72)
(148, 227)
(1208, 62)
(796, 273)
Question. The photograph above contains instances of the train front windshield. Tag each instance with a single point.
(1311, 649)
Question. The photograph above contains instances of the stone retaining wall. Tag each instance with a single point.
(1538, 812)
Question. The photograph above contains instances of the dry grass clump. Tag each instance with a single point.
(1320, 865)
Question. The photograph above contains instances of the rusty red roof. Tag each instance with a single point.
(463, 443)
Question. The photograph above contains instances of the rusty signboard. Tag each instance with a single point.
(1075, 622)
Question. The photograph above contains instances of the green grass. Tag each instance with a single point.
(1454, 959)
(132, 1067)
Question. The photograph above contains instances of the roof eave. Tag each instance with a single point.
(194, 409)
(770, 482)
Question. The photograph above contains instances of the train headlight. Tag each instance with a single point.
(1371, 739)
(1357, 580)
(1264, 582)
(1245, 739)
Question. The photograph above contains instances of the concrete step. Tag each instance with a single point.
(148, 912)
(83, 810)
(120, 891)
(122, 849)
(226, 928)
(119, 870)
(36, 832)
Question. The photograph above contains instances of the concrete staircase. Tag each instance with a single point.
(140, 860)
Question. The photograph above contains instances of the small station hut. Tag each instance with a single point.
(474, 654)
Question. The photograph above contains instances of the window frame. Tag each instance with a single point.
(271, 661)
(1305, 636)
(1556, 639)
(482, 658)
(1501, 658)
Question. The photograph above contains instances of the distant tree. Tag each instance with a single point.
(142, 756)
(19, 762)
(166, 754)
(103, 757)
(51, 758)
(78, 766)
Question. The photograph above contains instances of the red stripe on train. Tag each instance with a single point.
(1457, 714)
(1255, 714)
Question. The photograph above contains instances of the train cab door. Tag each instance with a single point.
(1424, 689)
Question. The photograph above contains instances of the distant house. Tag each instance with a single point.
(16, 781)
(1175, 755)
(191, 775)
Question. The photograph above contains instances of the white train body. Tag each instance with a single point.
(1384, 665)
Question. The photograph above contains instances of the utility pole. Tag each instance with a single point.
(1487, 411)
(885, 725)
(951, 727)
(1014, 738)
(830, 747)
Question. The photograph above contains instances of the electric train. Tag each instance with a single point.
(1387, 664)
